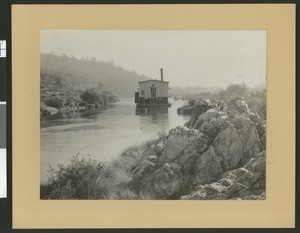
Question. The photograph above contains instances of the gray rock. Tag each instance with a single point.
(186, 159)
(229, 148)
(248, 133)
(164, 182)
(185, 110)
(179, 138)
(48, 111)
(239, 106)
(207, 168)
(247, 183)
(158, 148)
(145, 168)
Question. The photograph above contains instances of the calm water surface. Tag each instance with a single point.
(104, 134)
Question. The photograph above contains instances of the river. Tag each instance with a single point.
(104, 134)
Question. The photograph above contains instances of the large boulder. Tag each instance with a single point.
(249, 136)
(178, 139)
(48, 111)
(164, 182)
(255, 118)
(246, 183)
(144, 169)
(207, 168)
(158, 148)
(201, 107)
(187, 157)
(185, 110)
(238, 106)
(210, 122)
(228, 147)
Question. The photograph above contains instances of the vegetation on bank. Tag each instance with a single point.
(57, 95)
(86, 178)
(255, 98)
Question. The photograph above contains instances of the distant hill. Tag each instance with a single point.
(82, 74)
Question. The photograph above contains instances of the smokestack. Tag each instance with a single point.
(161, 74)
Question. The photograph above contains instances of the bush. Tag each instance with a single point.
(91, 96)
(238, 89)
(54, 102)
(81, 179)
(86, 178)
(234, 90)
(83, 103)
(96, 96)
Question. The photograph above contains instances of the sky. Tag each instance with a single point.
(188, 57)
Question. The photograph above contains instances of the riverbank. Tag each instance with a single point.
(216, 155)
(57, 96)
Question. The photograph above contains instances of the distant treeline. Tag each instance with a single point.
(87, 73)
(255, 98)
(179, 91)
(232, 89)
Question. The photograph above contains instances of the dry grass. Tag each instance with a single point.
(86, 178)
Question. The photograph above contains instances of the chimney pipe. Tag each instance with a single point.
(161, 74)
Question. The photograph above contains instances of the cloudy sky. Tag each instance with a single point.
(189, 57)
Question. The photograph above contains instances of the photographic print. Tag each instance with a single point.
(153, 114)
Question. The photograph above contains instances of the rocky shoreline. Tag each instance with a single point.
(49, 112)
(60, 97)
(216, 155)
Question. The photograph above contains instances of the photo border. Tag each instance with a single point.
(26, 208)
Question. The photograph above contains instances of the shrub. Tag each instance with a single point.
(85, 178)
(54, 102)
(96, 96)
(91, 96)
(238, 89)
(83, 103)
(81, 179)
(234, 90)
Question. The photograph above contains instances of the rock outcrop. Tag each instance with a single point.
(247, 183)
(216, 155)
(164, 182)
(48, 111)
(229, 148)
(207, 168)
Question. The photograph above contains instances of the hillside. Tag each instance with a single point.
(82, 74)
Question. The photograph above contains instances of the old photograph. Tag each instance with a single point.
(153, 114)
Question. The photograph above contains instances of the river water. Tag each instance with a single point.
(104, 134)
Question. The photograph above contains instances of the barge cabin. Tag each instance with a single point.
(153, 93)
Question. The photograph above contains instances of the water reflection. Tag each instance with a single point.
(152, 111)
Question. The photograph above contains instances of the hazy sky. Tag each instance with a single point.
(189, 57)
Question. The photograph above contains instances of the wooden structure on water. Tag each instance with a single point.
(153, 93)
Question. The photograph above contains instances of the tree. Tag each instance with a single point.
(54, 102)
(92, 96)
(238, 89)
